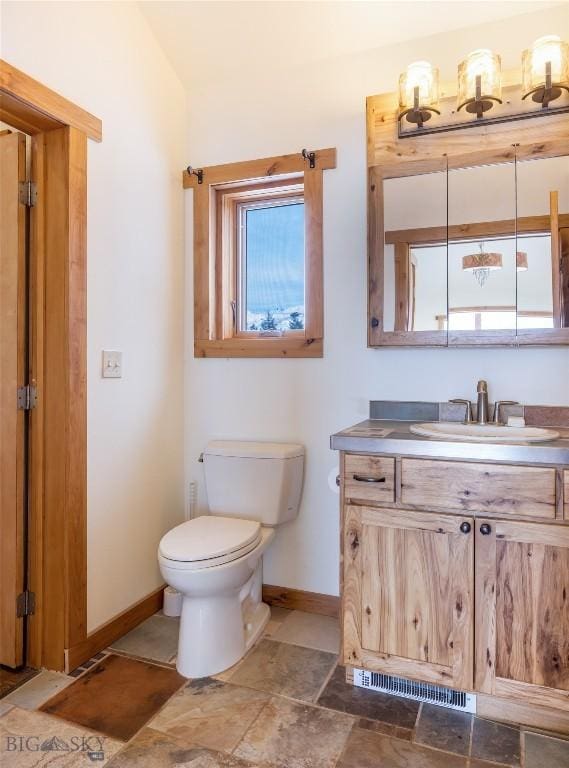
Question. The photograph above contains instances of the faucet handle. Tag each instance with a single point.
(497, 406)
(468, 417)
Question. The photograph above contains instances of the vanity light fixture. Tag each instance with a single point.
(545, 70)
(479, 82)
(418, 93)
(481, 264)
(545, 78)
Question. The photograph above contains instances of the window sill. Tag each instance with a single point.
(281, 346)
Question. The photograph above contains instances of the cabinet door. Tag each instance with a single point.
(522, 611)
(408, 584)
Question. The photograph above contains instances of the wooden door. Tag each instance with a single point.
(408, 594)
(12, 374)
(522, 611)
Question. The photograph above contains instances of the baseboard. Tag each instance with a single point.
(115, 628)
(297, 599)
(105, 635)
(518, 711)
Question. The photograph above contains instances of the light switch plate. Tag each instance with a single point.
(112, 364)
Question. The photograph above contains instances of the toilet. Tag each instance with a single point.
(215, 561)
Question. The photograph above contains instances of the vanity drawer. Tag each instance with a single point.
(369, 478)
(498, 489)
(566, 494)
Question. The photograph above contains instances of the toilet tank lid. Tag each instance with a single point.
(247, 449)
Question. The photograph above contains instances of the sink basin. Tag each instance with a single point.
(488, 433)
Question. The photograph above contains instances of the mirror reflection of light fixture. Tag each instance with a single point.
(479, 82)
(521, 261)
(481, 264)
(545, 70)
(418, 93)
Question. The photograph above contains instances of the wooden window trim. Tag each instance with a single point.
(215, 203)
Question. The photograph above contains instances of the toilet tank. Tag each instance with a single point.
(255, 481)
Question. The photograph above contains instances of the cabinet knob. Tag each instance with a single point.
(485, 529)
(465, 527)
(338, 480)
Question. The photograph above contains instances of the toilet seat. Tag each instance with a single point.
(207, 541)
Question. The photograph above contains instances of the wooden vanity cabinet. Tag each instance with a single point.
(370, 478)
(474, 599)
(502, 489)
(408, 594)
(522, 611)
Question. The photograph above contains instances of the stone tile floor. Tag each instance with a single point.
(10, 679)
(286, 705)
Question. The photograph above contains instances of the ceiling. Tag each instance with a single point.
(208, 39)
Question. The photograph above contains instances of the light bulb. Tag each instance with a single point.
(421, 75)
(484, 64)
(546, 49)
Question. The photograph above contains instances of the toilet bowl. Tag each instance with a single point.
(215, 560)
(222, 612)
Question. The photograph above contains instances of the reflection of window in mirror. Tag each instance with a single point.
(543, 243)
(482, 249)
(415, 270)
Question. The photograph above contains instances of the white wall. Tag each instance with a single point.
(281, 108)
(104, 57)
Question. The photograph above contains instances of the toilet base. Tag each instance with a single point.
(217, 631)
(256, 624)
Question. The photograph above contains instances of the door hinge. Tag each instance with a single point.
(25, 604)
(27, 397)
(28, 193)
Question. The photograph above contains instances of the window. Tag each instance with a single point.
(258, 258)
(270, 264)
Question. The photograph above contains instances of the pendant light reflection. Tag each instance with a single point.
(481, 264)
(484, 262)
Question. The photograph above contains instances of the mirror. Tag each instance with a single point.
(415, 253)
(481, 251)
(542, 245)
(474, 255)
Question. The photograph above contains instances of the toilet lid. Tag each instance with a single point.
(206, 538)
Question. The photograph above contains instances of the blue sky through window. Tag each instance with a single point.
(275, 263)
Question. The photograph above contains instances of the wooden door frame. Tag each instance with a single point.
(57, 541)
(12, 365)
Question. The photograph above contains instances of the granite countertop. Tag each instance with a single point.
(393, 437)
